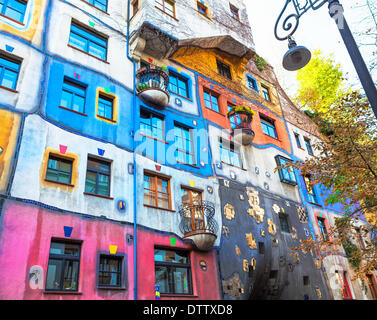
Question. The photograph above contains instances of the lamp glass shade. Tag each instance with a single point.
(296, 58)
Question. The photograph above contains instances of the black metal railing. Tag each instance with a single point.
(152, 77)
(198, 217)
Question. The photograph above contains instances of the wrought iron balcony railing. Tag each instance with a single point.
(198, 218)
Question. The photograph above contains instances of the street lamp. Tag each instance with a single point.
(297, 57)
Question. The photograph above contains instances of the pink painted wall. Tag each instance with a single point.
(205, 284)
(25, 238)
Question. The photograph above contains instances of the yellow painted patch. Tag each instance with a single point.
(75, 174)
(204, 62)
(192, 183)
(103, 92)
(250, 241)
(9, 127)
(27, 31)
(113, 249)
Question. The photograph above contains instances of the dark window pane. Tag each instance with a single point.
(162, 279)
(54, 272)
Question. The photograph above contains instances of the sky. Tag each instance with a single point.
(316, 31)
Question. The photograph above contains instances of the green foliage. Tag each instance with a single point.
(260, 62)
(242, 109)
(320, 83)
(352, 253)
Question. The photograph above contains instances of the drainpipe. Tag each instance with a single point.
(134, 153)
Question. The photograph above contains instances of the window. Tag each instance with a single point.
(98, 177)
(266, 93)
(105, 107)
(13, 9)
(306, 280)
(310, 190)
(156, 191)
(284, 222)
(372, 286)
(268, 127)
(230, 153)
(202, 8)
(194, 218)
(59, 170)
(261, 247)
(234, 12)
(178, 85)
(110, 271)
(360, 240)
(273, 274)
(322, 228)
(9, 70)
(308, 146)
(223, 69)
(135, 7)
(298, 141)
(63, 266)
(342, 279)
(73, 96)
(211, 100)
(88, 41)
(252, 83)
(234, 120)
(287, 175)
(185, 146)
(166, 6)
(151, 125)
(173, 271)
(100, 4)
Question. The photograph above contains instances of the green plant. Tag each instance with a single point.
(241, 109)
(260, 62)
(352, 253)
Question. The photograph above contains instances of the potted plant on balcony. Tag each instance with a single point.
(242, 130)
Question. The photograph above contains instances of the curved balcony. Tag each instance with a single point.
(152, 84)
(241, 118)
(198, 224)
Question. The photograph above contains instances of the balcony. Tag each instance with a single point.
(241, 118)
(152, 84)
(198, 224)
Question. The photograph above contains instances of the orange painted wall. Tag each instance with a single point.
(222, 120)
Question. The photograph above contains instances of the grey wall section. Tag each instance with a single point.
(251, 216)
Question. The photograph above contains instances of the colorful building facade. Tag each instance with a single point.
(138, 149)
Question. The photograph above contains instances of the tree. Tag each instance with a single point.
(347, 162)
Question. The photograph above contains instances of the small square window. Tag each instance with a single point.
(63, 266)
(252, 83)
(9, 71)
(110, 271)
(98, 177)
(261, 247)
(234, 11)
(178, 84)
(13, 9)
(99, 4)
(268, 127)
(224, 69)
(308, 146)
(73, 96)
(166, 6)
(266, 93)
(284, 222)
(298, 141)
(273, 274)
(157, 191)
(202, 8)
(306, 280)
(287, 175)
(105, 107)
(59, 170)
(211, 100)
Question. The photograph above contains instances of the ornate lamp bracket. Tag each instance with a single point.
(289, 17)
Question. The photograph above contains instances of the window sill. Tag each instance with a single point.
(170, 295)
(74, 111)
(167, 13)
(98, 195)
(315, 204)
(106, 119)
(277, 139)
(62, 183)
(158, 208)
(233, 166)
(190, 165)
(88, 54)
(13, 20)
(149, 137)
(111, 288)
(8, 89)
(183, 97)
(62, 292)
(301, 148)
(204, 15)
(100, 10)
